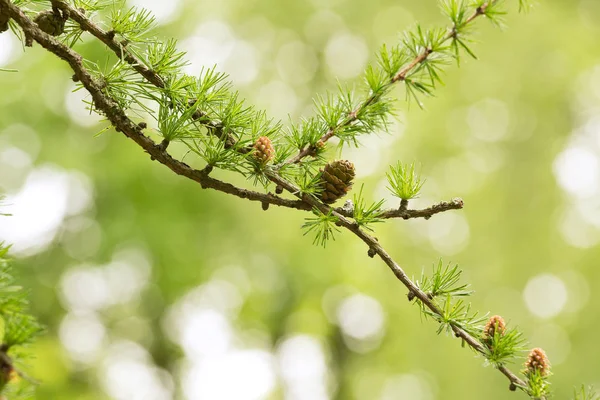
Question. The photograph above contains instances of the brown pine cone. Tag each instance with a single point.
(336, 180)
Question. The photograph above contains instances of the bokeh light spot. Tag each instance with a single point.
(211, 378)
(83, 336)
(362, 322)
(407, 386)
(578, 172)
(489, 120)
(545, 295)
(164, 11)
(40, 206)
(346, 55)
(296, 62)
(7, 46)
(448, 233)
(128, 373)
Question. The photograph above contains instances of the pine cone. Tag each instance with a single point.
(263, 150)
(336, 180)
(494, 323)
(51, 22)
(537, 361)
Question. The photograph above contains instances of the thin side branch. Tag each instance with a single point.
(400, 76)
(454, 204)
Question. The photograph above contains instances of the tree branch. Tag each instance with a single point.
(400, 76)
(122, 123)
(108, 38)
(122, 51)
(375, 247)
(130, 129)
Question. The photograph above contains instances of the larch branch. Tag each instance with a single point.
(122, 123)
(400, 76)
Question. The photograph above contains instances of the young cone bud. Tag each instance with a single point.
(336, 180)
(537, 361)
(263, 150)
(50, 22)
(494, 324)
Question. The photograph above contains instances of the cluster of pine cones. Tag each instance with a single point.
(336, 176)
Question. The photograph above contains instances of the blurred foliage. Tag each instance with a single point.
(492, 136)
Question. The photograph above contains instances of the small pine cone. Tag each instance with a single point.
(51, 22)
(263, 150)
(537, 361)
(494, 323)
(336, 180)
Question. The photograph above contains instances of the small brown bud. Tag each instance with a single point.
(494, 324)
(279, 189)
(143, 125)
(537, 361)
(51, 22)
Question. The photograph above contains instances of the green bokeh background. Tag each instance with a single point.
(533, 78)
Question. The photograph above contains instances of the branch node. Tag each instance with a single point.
(163, 145)
(403, 204)
(411, 295)
(265, 205)
(279, 189)
(371, 253)
(512, 387)
(458, 201)
(142, 125)
(207, 170)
